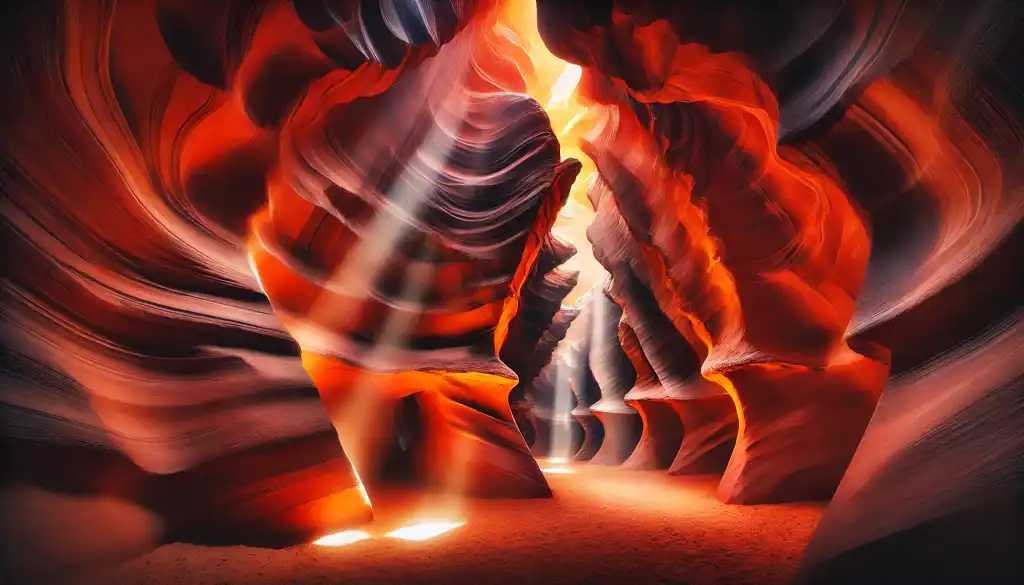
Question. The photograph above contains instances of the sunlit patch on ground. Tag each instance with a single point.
(342, 538)
(556, 470)
(424, 530)
(555, 466)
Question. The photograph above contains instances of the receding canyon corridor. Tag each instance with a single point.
(512, 291)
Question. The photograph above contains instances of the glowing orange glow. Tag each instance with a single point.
(552, 82)
(424, 531)
(556, 470)
(342, 538)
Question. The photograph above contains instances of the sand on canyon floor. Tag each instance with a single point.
(604, 525)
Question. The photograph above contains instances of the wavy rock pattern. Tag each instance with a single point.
(523, 405)
(223, 218)
(538, 327)
(741, 290)
(138, 347)
(763, 266)
(461, 215)
(669, 390)
(138, 341)
(939, 469)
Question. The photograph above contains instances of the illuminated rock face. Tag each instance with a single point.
(755, 252)
(407, 248)
(759, 257)
(141, 359)
(415, 285)
(767, 257)
(201, 171)
(689, 423)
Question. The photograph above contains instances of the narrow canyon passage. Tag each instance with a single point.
(492, 291)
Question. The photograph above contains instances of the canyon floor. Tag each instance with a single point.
(604, 525)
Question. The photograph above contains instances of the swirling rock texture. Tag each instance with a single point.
(771, 304)
(237, 232)
(141, 361)
(183, 162)
(804, 192)
(538, 328)
(480, 193)
(689, 423)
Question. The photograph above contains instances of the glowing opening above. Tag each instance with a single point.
(424, 531)
(565, 85)
(554, 83)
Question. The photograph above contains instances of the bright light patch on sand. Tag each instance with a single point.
(424, 531)
(556, 470)
(342, 538)
(557, 460)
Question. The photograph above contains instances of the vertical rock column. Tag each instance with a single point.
(678, 406)
(662, 429)
(614, 375)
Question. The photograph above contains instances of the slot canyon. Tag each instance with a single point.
(512, 291)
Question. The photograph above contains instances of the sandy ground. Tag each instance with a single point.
(604, 525)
